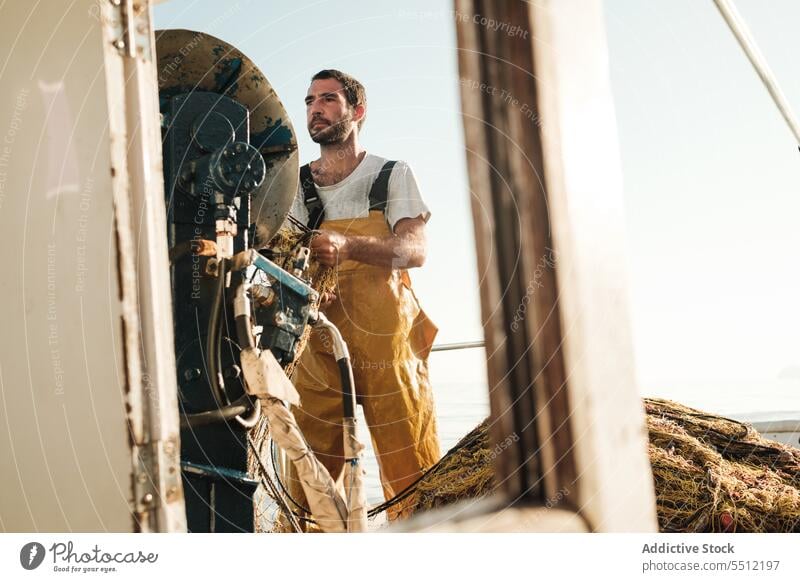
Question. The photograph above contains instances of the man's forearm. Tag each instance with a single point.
(396, 252)
(404, 249)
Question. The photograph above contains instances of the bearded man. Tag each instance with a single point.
(371, 221)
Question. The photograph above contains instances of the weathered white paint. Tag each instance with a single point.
(65, 459)
(74, 191)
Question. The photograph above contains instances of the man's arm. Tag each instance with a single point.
(404, 249)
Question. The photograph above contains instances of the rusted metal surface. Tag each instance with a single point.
(194, 61)
(143, 267)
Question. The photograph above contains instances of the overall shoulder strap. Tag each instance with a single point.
(316, 213)
(379, 192)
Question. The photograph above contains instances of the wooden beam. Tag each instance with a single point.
(547, 204)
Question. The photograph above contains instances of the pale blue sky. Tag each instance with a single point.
(711, 189)
(711, 174)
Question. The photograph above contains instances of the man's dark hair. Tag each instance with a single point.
(354, 91)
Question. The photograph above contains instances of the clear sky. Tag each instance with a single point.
(711, 174)
(712, 179)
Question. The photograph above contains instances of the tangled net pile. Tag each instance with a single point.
(716, 474)
(711, 473)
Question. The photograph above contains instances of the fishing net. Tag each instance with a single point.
(716, 474)
(711, 473)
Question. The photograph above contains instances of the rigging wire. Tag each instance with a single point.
(740, 30)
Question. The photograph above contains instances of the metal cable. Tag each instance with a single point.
(740, 30)
(458, 346)
(378, 508)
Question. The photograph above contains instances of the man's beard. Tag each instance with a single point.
(332, 134)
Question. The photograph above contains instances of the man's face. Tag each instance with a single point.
(328, 115)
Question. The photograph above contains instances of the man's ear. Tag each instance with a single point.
(359, 112)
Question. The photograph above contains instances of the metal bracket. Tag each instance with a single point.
(130, 27)
(252, 257)
(157, 474)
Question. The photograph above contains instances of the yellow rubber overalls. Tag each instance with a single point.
(389, 338)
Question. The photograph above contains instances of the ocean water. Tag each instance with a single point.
(740, 399)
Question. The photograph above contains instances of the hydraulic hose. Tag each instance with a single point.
(353, 473)
(226, 410)
(244, 334)
(342, 356)
(213, 361)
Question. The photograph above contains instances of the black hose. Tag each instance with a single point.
(226, 410)
(214, 338)
(348, 393)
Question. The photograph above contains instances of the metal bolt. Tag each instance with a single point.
(116, 2)
(233, 372)
(147, 499)
(239, 147)
(212, 267)
(119, 44)
(192, 374)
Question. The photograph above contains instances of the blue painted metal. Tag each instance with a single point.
(276, 135)
(282, 277)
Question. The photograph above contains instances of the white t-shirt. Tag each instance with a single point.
(350, 197)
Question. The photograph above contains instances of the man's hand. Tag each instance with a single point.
(327, 299)
(329, 248)
(404, 249)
